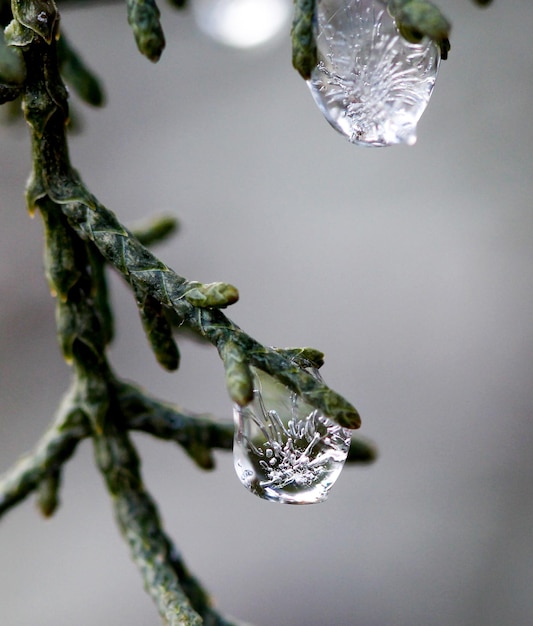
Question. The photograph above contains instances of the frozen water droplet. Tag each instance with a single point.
(370, 83)
(284, 449)
(242, 23)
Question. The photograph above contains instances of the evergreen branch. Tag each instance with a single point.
(304, 52)
(417, 19)
(56, 446)
(147, 274)
(93, 393)
(77, 74)
(239, 376)
(8, 93)
(100, 293)
(219, 295)
(61, 261)
(179, 596)
(12, 70)
(48, 493)
(40, 469)
(158, 330)
(197, 434)
(81, 236)
(304, 357)
(40, 16)
(83, 338)
(143, 17)
(193, 303)
(219, 330)
(139, 523)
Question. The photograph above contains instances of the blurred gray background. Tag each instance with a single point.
(411, 268)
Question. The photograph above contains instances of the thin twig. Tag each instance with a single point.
(55, 448)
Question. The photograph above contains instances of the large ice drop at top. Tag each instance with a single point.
(370, 83)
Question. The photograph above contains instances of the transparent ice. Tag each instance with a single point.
(285, 450)
(370, 83)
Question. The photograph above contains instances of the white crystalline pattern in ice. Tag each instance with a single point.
(370, 83)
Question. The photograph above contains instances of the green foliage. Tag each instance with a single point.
(12, 70)
(39, 16)
(143, 17)
(304, 54)
(158, 330)
(78, 75)
(417, 19)
(82, 240)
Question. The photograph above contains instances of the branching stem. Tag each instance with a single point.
(82, 237)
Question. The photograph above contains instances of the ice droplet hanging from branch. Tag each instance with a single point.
(371, 84)
(284, 449)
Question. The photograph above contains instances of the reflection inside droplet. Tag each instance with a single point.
(242, 23)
